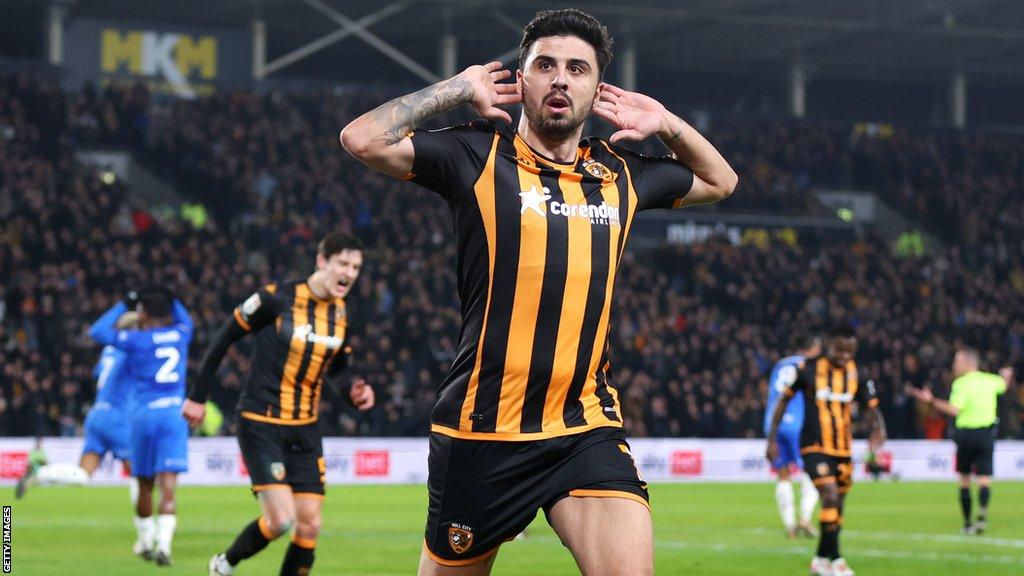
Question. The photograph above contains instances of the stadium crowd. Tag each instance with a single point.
(697, 327)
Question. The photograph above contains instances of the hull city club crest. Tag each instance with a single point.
(460, 537)
(277, 471)
(597, 170)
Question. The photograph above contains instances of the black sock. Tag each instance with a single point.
(250, 541)
(983, 495)
(828, 544)
(965, 505)
(298, 560)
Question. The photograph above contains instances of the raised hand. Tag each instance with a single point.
(488, 92)
(1007, 373)
(922, 394)
(635, 115)
(362, 395)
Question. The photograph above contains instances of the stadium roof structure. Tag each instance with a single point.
(403, 37)
(910, 60)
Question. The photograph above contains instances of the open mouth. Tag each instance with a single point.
(342, 285)
(557, 104)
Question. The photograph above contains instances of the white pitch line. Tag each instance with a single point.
(920, 537)
(746, 550)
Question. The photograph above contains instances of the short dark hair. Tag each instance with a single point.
(842, 330)
(802, 340)
(155, 303)
(336, 242)
(568, 22)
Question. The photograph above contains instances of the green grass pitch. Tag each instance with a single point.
(700, 529)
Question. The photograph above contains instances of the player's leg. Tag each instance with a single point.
(277, 515)
(784, 498)
(144, 461)
(298, 559)
(306, 472)
(823, 473)
(844, 481)
(808, 502)
(263, 452)
(582, 525)
(121, 446)
(63, 473)
(166, 520)
(171, 449)
(145, 524)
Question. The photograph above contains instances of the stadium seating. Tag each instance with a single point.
(696, 327)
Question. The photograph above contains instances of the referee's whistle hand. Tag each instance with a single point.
(193, 412)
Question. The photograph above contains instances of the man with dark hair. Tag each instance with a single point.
(784, 371)
(527, 418)
(972, 402)
(156, 359)
(830, 384)
(300, 328)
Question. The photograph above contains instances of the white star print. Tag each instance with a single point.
(532, 200)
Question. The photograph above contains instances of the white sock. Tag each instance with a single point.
(784, 498)
(133, 490)
(145, 530)
(808, 498)
(62, 474)
(165, 525)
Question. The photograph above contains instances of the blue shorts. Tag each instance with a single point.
(789, 449)
(107, 431)
(159, 442)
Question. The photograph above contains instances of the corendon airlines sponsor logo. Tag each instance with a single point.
(372, 463)
(13, 464)
(687, 463)
(538, 202)
(830, 396)
(305, 333)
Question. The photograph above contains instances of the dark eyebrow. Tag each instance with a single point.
(572, 61)
(579, 62)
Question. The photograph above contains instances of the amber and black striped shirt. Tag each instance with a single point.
(829, 392)
(539, 243)
(297, 336)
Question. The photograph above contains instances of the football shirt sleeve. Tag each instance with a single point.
(449, 161)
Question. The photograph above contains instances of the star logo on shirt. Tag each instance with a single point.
(533, 200)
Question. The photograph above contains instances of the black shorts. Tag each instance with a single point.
(278, 455)
(485, 492)
(823, 468)
(974, 447)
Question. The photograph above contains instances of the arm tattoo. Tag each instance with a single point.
(403, 115)
(676, 134)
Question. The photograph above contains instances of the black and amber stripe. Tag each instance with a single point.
(286, 381)
(827, 422)
(533, 358)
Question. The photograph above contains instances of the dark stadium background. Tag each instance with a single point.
(915, 104)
